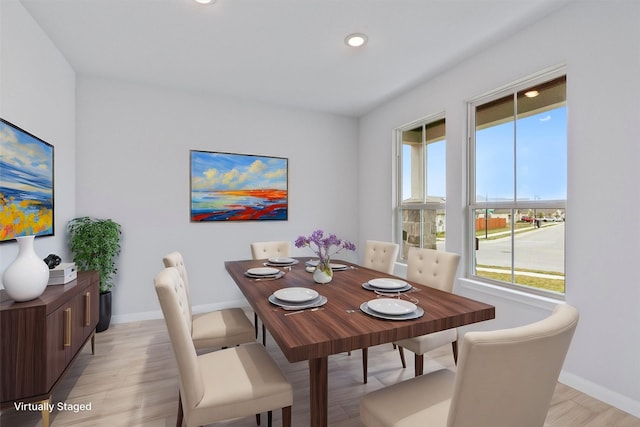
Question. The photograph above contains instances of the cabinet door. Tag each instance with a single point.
(78, 312)
(23, 353)
(59, 339)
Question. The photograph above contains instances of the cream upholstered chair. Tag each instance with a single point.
(504, 378)
(438, 270)
(220, 385)
(266, 250)
(220, 328)
(379, 256)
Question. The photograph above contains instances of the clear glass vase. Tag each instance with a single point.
(323, 272)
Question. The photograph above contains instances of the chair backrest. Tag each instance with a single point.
(506, 378)
(173, 300)
(381, 256)
(432, 268)
(264, 250)
(174, 259)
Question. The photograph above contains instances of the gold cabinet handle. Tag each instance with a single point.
(67, 327)
(87, 309)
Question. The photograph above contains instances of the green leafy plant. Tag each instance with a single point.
(95, 244)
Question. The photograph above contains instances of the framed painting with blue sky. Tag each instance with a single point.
(238, 187)
(26, 184)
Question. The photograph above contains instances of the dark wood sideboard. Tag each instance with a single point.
(40, 338)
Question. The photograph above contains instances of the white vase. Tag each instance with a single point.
(27, 276)
(323, 273)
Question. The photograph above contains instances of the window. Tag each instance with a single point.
(420, 217)
(518, 185)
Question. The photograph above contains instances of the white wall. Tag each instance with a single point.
(600, 44)
(37, 93)
(133, 167)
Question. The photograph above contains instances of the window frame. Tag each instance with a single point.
(514, 205)
(400, 205)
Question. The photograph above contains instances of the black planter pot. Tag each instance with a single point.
(105, 311)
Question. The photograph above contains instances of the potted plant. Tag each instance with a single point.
(95, 244)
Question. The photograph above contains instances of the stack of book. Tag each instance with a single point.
(63, 273)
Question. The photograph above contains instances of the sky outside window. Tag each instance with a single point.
(541, 156)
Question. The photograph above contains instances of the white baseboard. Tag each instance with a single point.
(136, 317)
(157, 314)
(601, 393)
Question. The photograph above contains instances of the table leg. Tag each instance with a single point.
(318, 382)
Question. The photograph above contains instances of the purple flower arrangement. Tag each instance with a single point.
(324, 247)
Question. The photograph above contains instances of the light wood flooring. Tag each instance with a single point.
(132, 380)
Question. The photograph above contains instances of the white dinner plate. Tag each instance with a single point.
(282, 261)
(263, 271)
(368, 287)
(334, 266)
(278, 275)
(388, 283)
(414, 315)
(316, 302)
(295, 294)
(391, 306)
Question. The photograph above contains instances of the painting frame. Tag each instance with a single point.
(230, 187)
(26, 184)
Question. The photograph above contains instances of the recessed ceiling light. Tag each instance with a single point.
(205, 1)
(356, 40)
(531, 93)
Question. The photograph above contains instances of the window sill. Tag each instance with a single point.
(539, 301)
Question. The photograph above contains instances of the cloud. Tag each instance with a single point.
(546, 118)
(278, 173)
(210, 173)
(230, 178)
(257, 167)
(254, 175)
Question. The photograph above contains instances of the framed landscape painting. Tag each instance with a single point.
(238, 187)
(26, 184)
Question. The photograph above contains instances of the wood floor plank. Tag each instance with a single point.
(132, 380)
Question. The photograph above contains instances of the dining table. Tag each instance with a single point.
(341, 325)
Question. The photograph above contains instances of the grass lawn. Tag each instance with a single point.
(555, 285)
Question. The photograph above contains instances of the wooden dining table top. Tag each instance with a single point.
(341, 326)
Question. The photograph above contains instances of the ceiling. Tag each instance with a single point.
(285, 52)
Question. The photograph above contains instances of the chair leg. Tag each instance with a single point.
(454, 346)
(258, 419)
(401, 351)
(255, 323)
(419, 365)
(286, 416)
(264, 335)
(365, 363)
(179, 420)
(269, 418)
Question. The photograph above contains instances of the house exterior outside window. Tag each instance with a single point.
(421, 156)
